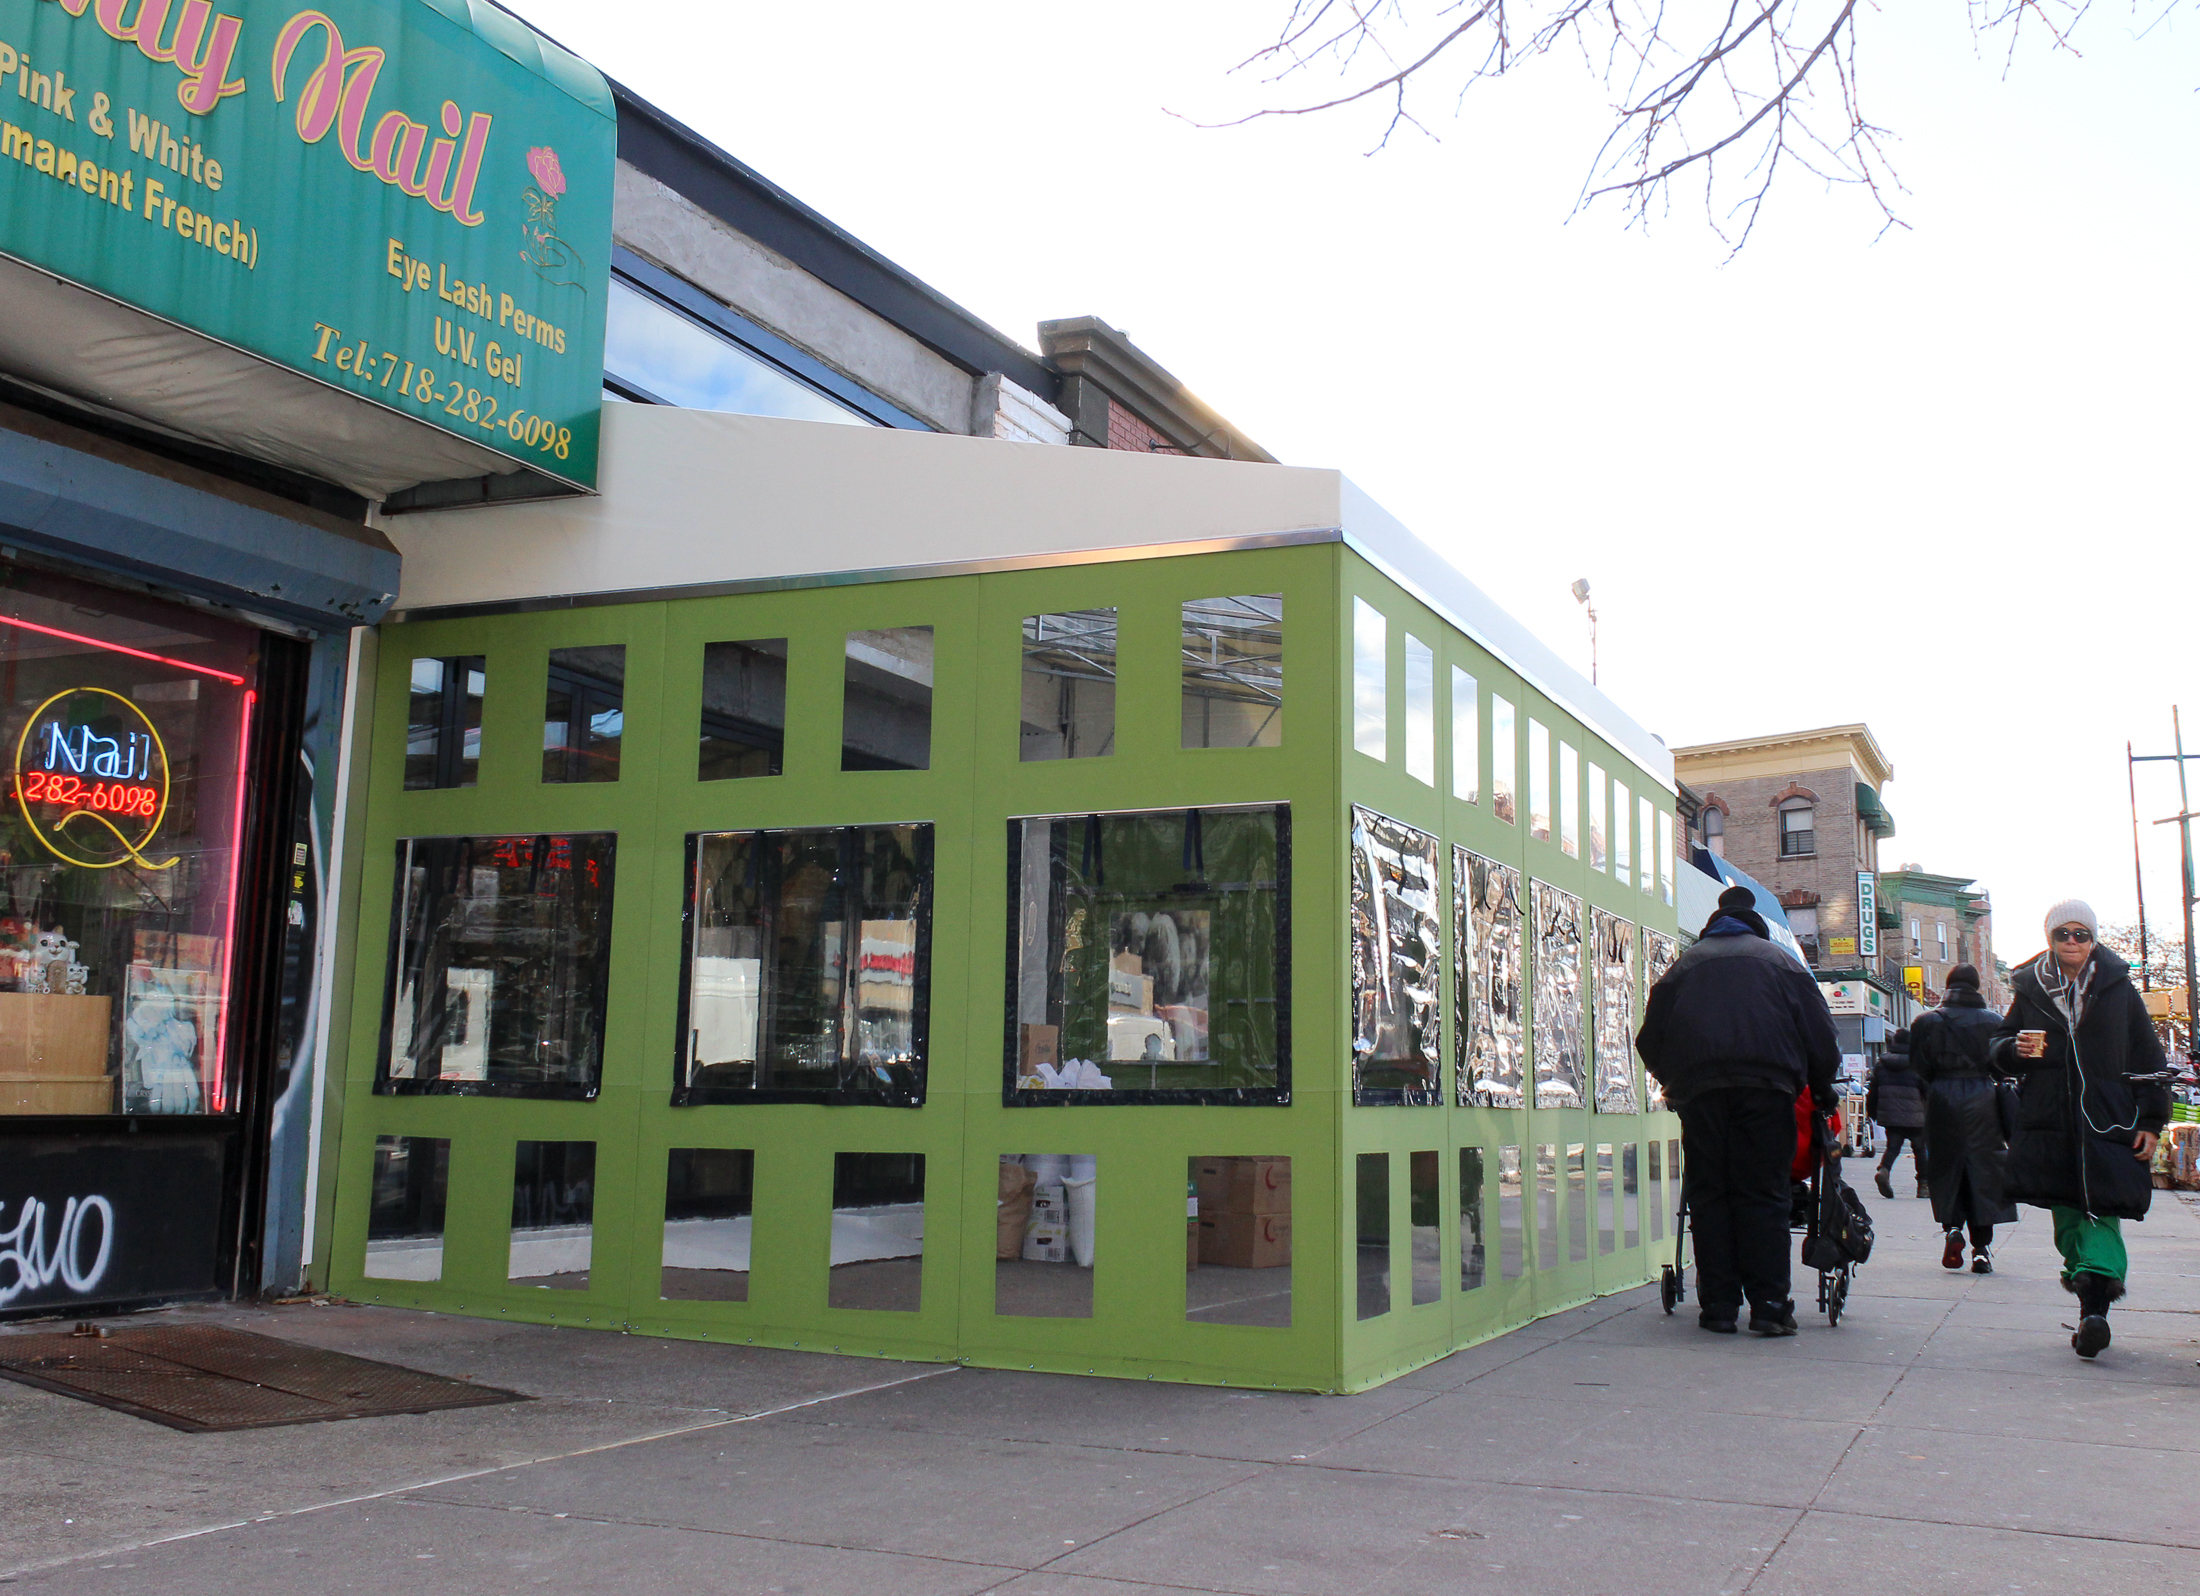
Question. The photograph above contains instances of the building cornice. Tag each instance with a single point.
(1855, 740)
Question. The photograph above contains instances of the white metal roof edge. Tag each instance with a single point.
(1386, 543)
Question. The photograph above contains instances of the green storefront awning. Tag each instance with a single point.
(1873, 812)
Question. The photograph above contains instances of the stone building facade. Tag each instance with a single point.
(1940, 921)
(1801, 812)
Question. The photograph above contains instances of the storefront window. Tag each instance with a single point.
(652, 348)
(127, 728)
(1149, 957)
(1648, 835)
(744, 730)
(411, 1187)
(1607, 1215)
(1599, 859)
(1069, 685)
(1426, 1227)
(1397, 939)
(1372, 1179)
(1047, 1218)
(500, 960)
(1539, 780)
(710, 1202)
(877, 1259)
(584, 714)
(806, 966)
(1512, 1219)
(1623, 856)
(1473, 1261)
(553, 1215)
(1233, 672)
(443, 722)
(1238, 1241)
(1569, 801)
(1420, 711)
(1504, 759)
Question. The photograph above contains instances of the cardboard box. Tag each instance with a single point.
(32, 1094)
(1244, 1241)
(1130, 989)
(1243, 1185)
(53, 1036)
(1046, 1244)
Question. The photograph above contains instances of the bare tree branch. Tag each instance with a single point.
(1726, 93)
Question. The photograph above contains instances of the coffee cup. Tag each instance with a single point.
(2031, 1044)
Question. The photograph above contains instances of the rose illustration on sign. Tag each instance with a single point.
(554, 260)
(91, 779)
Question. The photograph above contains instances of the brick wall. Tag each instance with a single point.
(1824, 879)
(1128, 431)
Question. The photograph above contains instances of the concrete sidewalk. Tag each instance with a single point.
(1943, 1440)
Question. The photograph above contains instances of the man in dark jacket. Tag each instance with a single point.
(1733, 1032)
(1896, 1103)
(1949, 1049)
(2079, 1035)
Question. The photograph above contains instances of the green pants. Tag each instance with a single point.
(2090, 1246)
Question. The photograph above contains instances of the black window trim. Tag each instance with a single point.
(682, 296)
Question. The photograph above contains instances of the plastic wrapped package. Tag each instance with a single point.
(1659, 953)
(1486, 918)
(1397, 942)
(1558, 998)
(1614, 940)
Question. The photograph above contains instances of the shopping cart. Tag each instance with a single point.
(1819, 1208)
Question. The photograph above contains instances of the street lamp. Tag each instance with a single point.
(1581, 597)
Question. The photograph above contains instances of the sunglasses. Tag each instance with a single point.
(2072, 933)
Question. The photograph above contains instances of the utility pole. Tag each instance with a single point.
(2139, 876)
(1581, 597)
(2183, 820)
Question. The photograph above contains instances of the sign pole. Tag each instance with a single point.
(2138, 876)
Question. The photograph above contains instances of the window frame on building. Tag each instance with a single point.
(1798, 842)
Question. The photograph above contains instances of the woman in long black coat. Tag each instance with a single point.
(2079, 1034)
(1948, 1049)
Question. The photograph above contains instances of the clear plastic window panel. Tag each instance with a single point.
(1569, 801)
(500, 965)
(1630, 1195)
(1238, 1241)
(1397, 942)
(1046, 1219)
(584, 714)
(1559, 1072)
(1466, 738)
(1577, 1203)
(553, 1214)
(129, 723)
(1539, 780)
(1504, 759)
(1489, 963)
(1614, 942)
(1512, 1216)
(710, 1212)
(1068, 686)
(1420, 710)
(676, 361)
(808, 966)
(1659, 954)
(1233, 671)
(1149, 955)
(443, 722)
(1657, 1191)
(1607, 1200)
(1599, 834)
(744, 717)
(1623, 855)
(1665, 856)
(411, 1186)
(1370, 681)
(1425, 1226)
(886, 700)
(1372, 1178)
(1646, 831)
(1546, 1205)
(1473, 1239)
(877, 1247)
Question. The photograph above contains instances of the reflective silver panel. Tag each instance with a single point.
(1397, 939)
(1486, 971)
(1659, 952)
(1615, 1013)
(1558, 994)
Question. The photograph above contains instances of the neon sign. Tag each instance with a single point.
(91, 779)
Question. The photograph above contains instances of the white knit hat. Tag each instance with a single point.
(2069, 910)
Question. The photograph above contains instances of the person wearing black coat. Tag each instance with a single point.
(2089, 1117)
(1734, 1032)
(1949, 1049)
(1896, 1102)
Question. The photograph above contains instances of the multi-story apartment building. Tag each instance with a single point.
(1801, 812)
(1940, 921)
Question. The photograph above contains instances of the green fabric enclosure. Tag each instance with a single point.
(939, 994)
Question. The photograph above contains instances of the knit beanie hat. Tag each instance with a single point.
(1962, 975)
(2069, 910)
(1737, 897)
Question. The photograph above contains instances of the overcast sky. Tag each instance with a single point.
(1940, 482)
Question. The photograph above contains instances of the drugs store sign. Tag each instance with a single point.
(409, 200)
